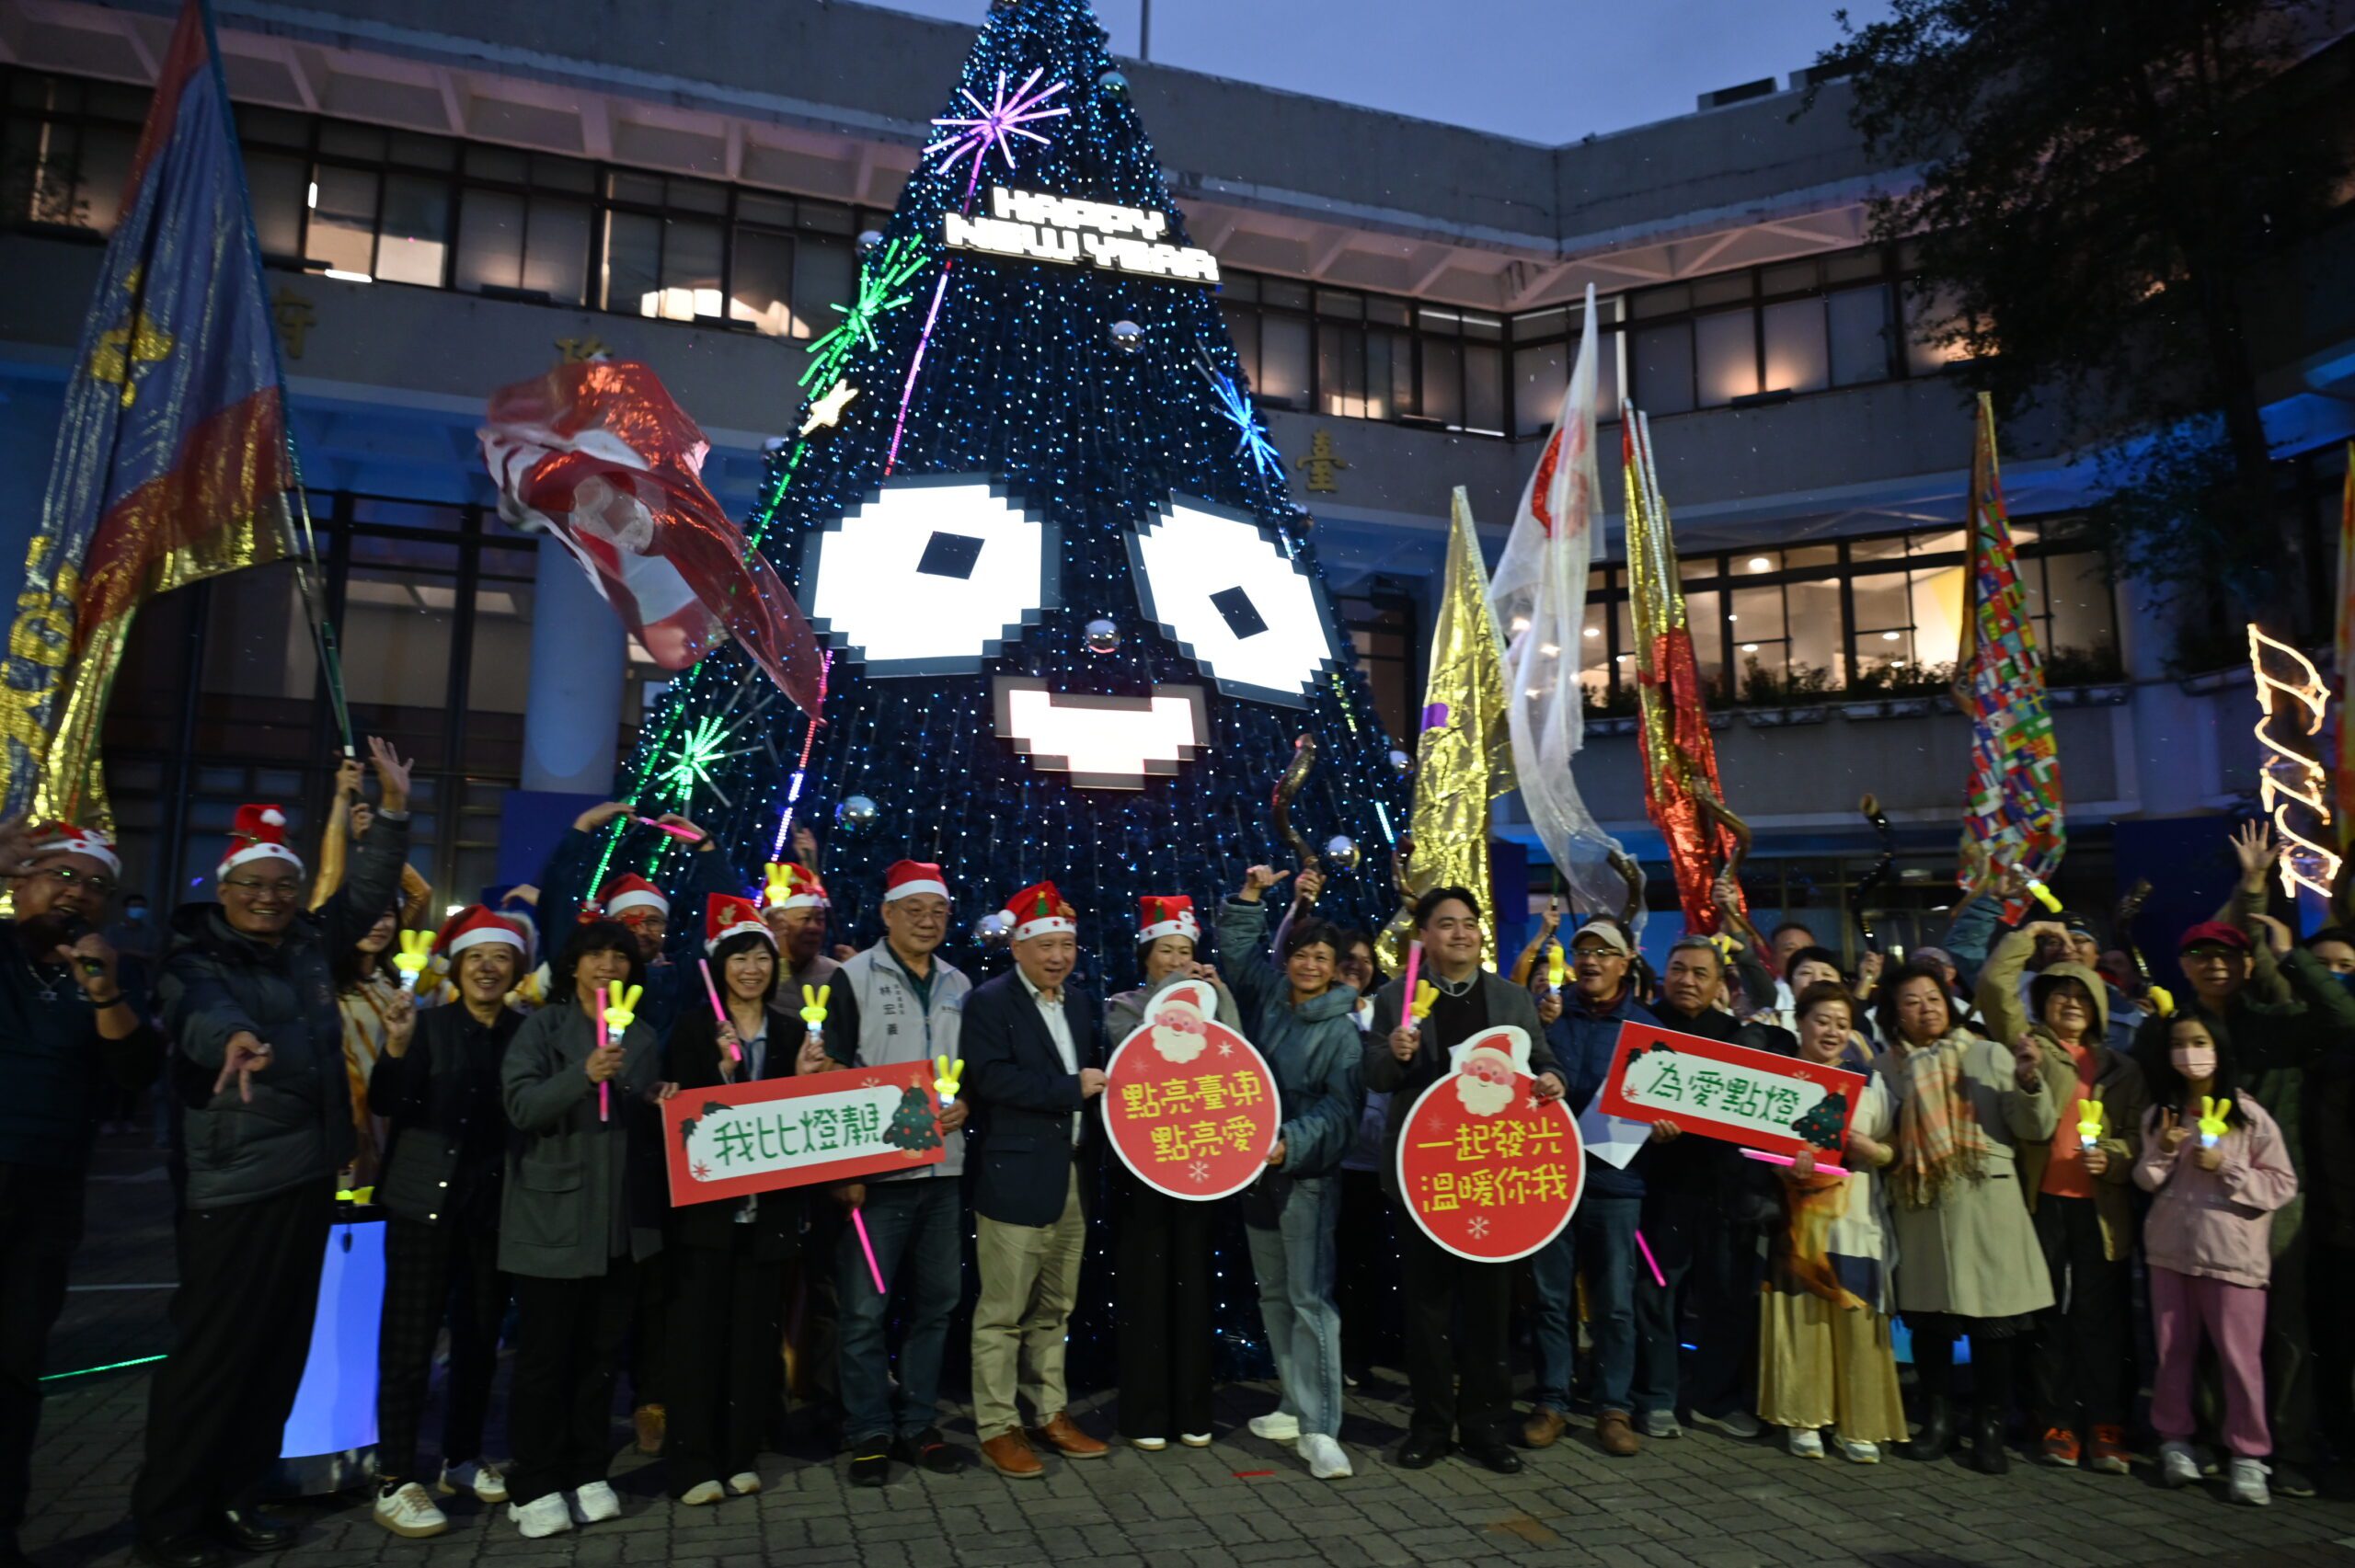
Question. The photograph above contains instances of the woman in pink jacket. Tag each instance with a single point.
(2213, 1163)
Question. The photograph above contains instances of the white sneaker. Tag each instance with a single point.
(1276, 1426)
(1150, 1445)
(2247, 1483)
(1195, 1439)
(1856, 1452)
(703, 1494)
(1327, 1460)
(479, 1476)
(1804, 1442)
(1661, 1423)
(595, 1502)
(2178, 1465)
(744, 1483)
(409, 1512)
(1733, 1424)
(541, 1516)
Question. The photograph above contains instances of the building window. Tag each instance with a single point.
(1380, 621)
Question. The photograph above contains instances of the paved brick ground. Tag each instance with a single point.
(1703, 1500)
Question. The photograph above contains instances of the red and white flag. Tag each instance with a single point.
(598, 455)
(1539, 594)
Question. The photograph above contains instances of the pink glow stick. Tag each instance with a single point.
(1650, 1262)
(872, 1266)
(689, 835)
(605, 1086)
(1413, 972)
(1822, 1166)
(712, 990)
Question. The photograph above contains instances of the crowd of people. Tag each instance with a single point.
(2094, 1184)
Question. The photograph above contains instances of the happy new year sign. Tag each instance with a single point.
(728, 1141)
(1750, 1097)
(1190, 1105)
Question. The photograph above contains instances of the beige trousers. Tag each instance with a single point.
(1029, 1280)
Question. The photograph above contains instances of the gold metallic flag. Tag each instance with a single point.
(1464, 758)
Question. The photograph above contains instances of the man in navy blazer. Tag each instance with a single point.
(1032, 1052)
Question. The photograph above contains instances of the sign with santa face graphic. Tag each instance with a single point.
(1488, 1170)
(1190, 1104)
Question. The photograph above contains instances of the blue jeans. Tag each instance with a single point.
(1293, 1258)
(916, 1228)
(1603, 1230)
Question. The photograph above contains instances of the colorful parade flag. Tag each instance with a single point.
(599, 454)
(1464, 756)
(172, 460)
(1681, 791)
(1539, 593)
(2012, 811)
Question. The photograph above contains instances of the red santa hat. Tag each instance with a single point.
(257, 833)
(475, 925)
(629, 892)
(1162, 916)
(728, 915)
(792, 886)
(61, 838)
(906, 878)
(1037, 910)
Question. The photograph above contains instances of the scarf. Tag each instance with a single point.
(1939, 1140)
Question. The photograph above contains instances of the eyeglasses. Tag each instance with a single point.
(103, 887)
(263, 889)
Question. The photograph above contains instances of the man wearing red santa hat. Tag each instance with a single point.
(74, 1040)
(248, 999)
(1033, 1059)
(437, 1086)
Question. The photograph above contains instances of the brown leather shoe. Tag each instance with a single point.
(1542, 1428)
(1067, 1439)
(648, 1419)
(1010, 1454)
(1618, 1438)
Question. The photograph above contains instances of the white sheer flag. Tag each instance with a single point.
(1539, 595)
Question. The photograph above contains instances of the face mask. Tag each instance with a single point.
(2347, 979)
(141, 915)
(2194, 1061)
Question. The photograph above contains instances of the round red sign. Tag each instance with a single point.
(1488, 1170)
(1191, 1106)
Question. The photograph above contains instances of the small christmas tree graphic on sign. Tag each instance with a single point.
(1822, 1126)
(913, 1128)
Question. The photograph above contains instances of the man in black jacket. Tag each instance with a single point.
(267, 1122)
(69, 1040)
(438, 1085)
(1031, 1050)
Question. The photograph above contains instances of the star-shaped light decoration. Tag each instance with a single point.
(990, 125)
(711, 740)
(827, 411)
(1235, 405)
(885, 272)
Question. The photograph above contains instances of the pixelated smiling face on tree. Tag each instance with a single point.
(1076, 623)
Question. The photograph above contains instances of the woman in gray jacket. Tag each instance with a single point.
(1305, 1024)
(581, 1210)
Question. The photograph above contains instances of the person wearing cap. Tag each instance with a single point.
(581, 1219)
(2080, 1194)
(437, 1090)
(1033, 1059)
(248, 1001)
(69, 1039)
(899, 1002)
(1584, 1035)
(1460, 1375)
(1161, 1259)
(727, 1259)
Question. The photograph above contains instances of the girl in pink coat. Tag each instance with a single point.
(2213, 1163)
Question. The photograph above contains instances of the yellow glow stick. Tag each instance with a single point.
(417, 947)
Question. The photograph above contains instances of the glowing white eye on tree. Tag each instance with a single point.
(931, 576)
(1222, 589)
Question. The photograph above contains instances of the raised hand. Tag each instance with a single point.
(1257, 880)
(244, 1057)
(805, 846)
(2254, 847)
(1310, 884)
(400, 1025)
(19, 837)
(347, 776)
(596, 817)
(2277, 934)
(2026, 1060)
(392, 773)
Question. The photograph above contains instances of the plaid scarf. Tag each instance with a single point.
(1940, 1139)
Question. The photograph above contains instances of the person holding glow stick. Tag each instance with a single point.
(580, 1216)
(2215, 1164)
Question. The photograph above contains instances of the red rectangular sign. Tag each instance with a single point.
(1751, 1097)
(732, 1140)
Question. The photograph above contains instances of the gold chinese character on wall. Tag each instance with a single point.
(577, 350)
(295, 316)
(1321, 464)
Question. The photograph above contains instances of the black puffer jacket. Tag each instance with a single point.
(298, 1127)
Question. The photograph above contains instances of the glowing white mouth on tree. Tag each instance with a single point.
(1102, 742)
